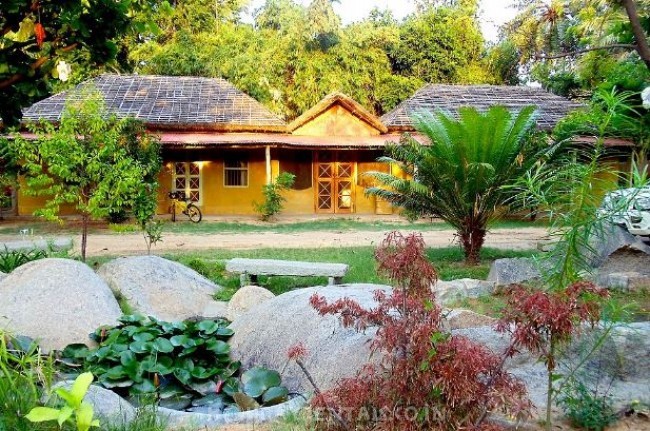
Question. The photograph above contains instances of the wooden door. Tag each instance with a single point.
(335, 183)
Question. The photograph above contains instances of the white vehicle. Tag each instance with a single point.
(630, 208)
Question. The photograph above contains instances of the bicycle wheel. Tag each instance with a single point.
(194, 213)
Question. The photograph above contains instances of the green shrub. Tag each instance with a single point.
(24, 372)
(273, 199)
(12, 259)
(181, 364)
(587, 409)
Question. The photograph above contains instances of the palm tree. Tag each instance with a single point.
(460, 176)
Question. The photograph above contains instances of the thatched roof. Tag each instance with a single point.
(433, 97)
(341, 99)
(170, 102)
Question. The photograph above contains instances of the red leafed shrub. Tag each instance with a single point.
(540, 320)
(543, 321)
(427, 379)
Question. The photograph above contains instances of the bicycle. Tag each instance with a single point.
(181, 204)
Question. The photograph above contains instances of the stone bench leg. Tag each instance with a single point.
(331, 281)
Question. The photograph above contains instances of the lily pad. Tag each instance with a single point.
(257, 380)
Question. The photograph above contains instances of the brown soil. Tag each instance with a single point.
(114, 244)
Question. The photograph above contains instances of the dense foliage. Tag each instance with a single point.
(574, 48)
(12, 259)
(426, 379)
(92, 161)
(38, 37)
(461, 178)
(293, 55)
(180, 363)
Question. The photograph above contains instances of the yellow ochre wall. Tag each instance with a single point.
(27, 204)
(336, 121)
(218, 199)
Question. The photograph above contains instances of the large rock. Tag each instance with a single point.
(264, 335)
(454, 290)
(110, 408)
(611, 239)
(626, 268)
(246, 298)
(56, 301)
(627, 281)
(504, 272)
(621, 364)
(159, 287)
(463, 319)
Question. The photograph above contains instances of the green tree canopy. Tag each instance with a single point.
(89, 161)
(38, 37)
(293, 55)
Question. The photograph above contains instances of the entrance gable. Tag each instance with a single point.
(337, 115)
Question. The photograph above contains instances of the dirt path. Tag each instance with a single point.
(118, 244)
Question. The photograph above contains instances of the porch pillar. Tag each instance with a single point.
(268, 164)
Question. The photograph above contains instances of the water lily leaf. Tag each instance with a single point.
(143, 336)
(231, 387)
(170, 327)
(185, 364)
(201, 373)
(177, 403)
(163, 345)
(218, 347)
(163, 366)
(146, 387)
(257, 380)
(179, 340)
(75, 351)
(140, 347)
(217, 401)
(116, 373)
(275, 395)
(204, 388)
(183, 376)
(208, 327)
(128, 359)
(170, 390)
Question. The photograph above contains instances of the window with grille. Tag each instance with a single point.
(235, 173)
(187, 179)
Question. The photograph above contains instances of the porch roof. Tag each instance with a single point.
(171, 139)
(169, 103)
(433, 97)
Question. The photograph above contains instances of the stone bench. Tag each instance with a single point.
(251, 268)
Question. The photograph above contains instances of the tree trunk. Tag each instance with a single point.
(472, 237)
(642, 46)
(84, 236)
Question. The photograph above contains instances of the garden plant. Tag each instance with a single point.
(180, 364)
(461, 178)
(426, 379)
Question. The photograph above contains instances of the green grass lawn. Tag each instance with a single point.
(448, 262)
(72, 227)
